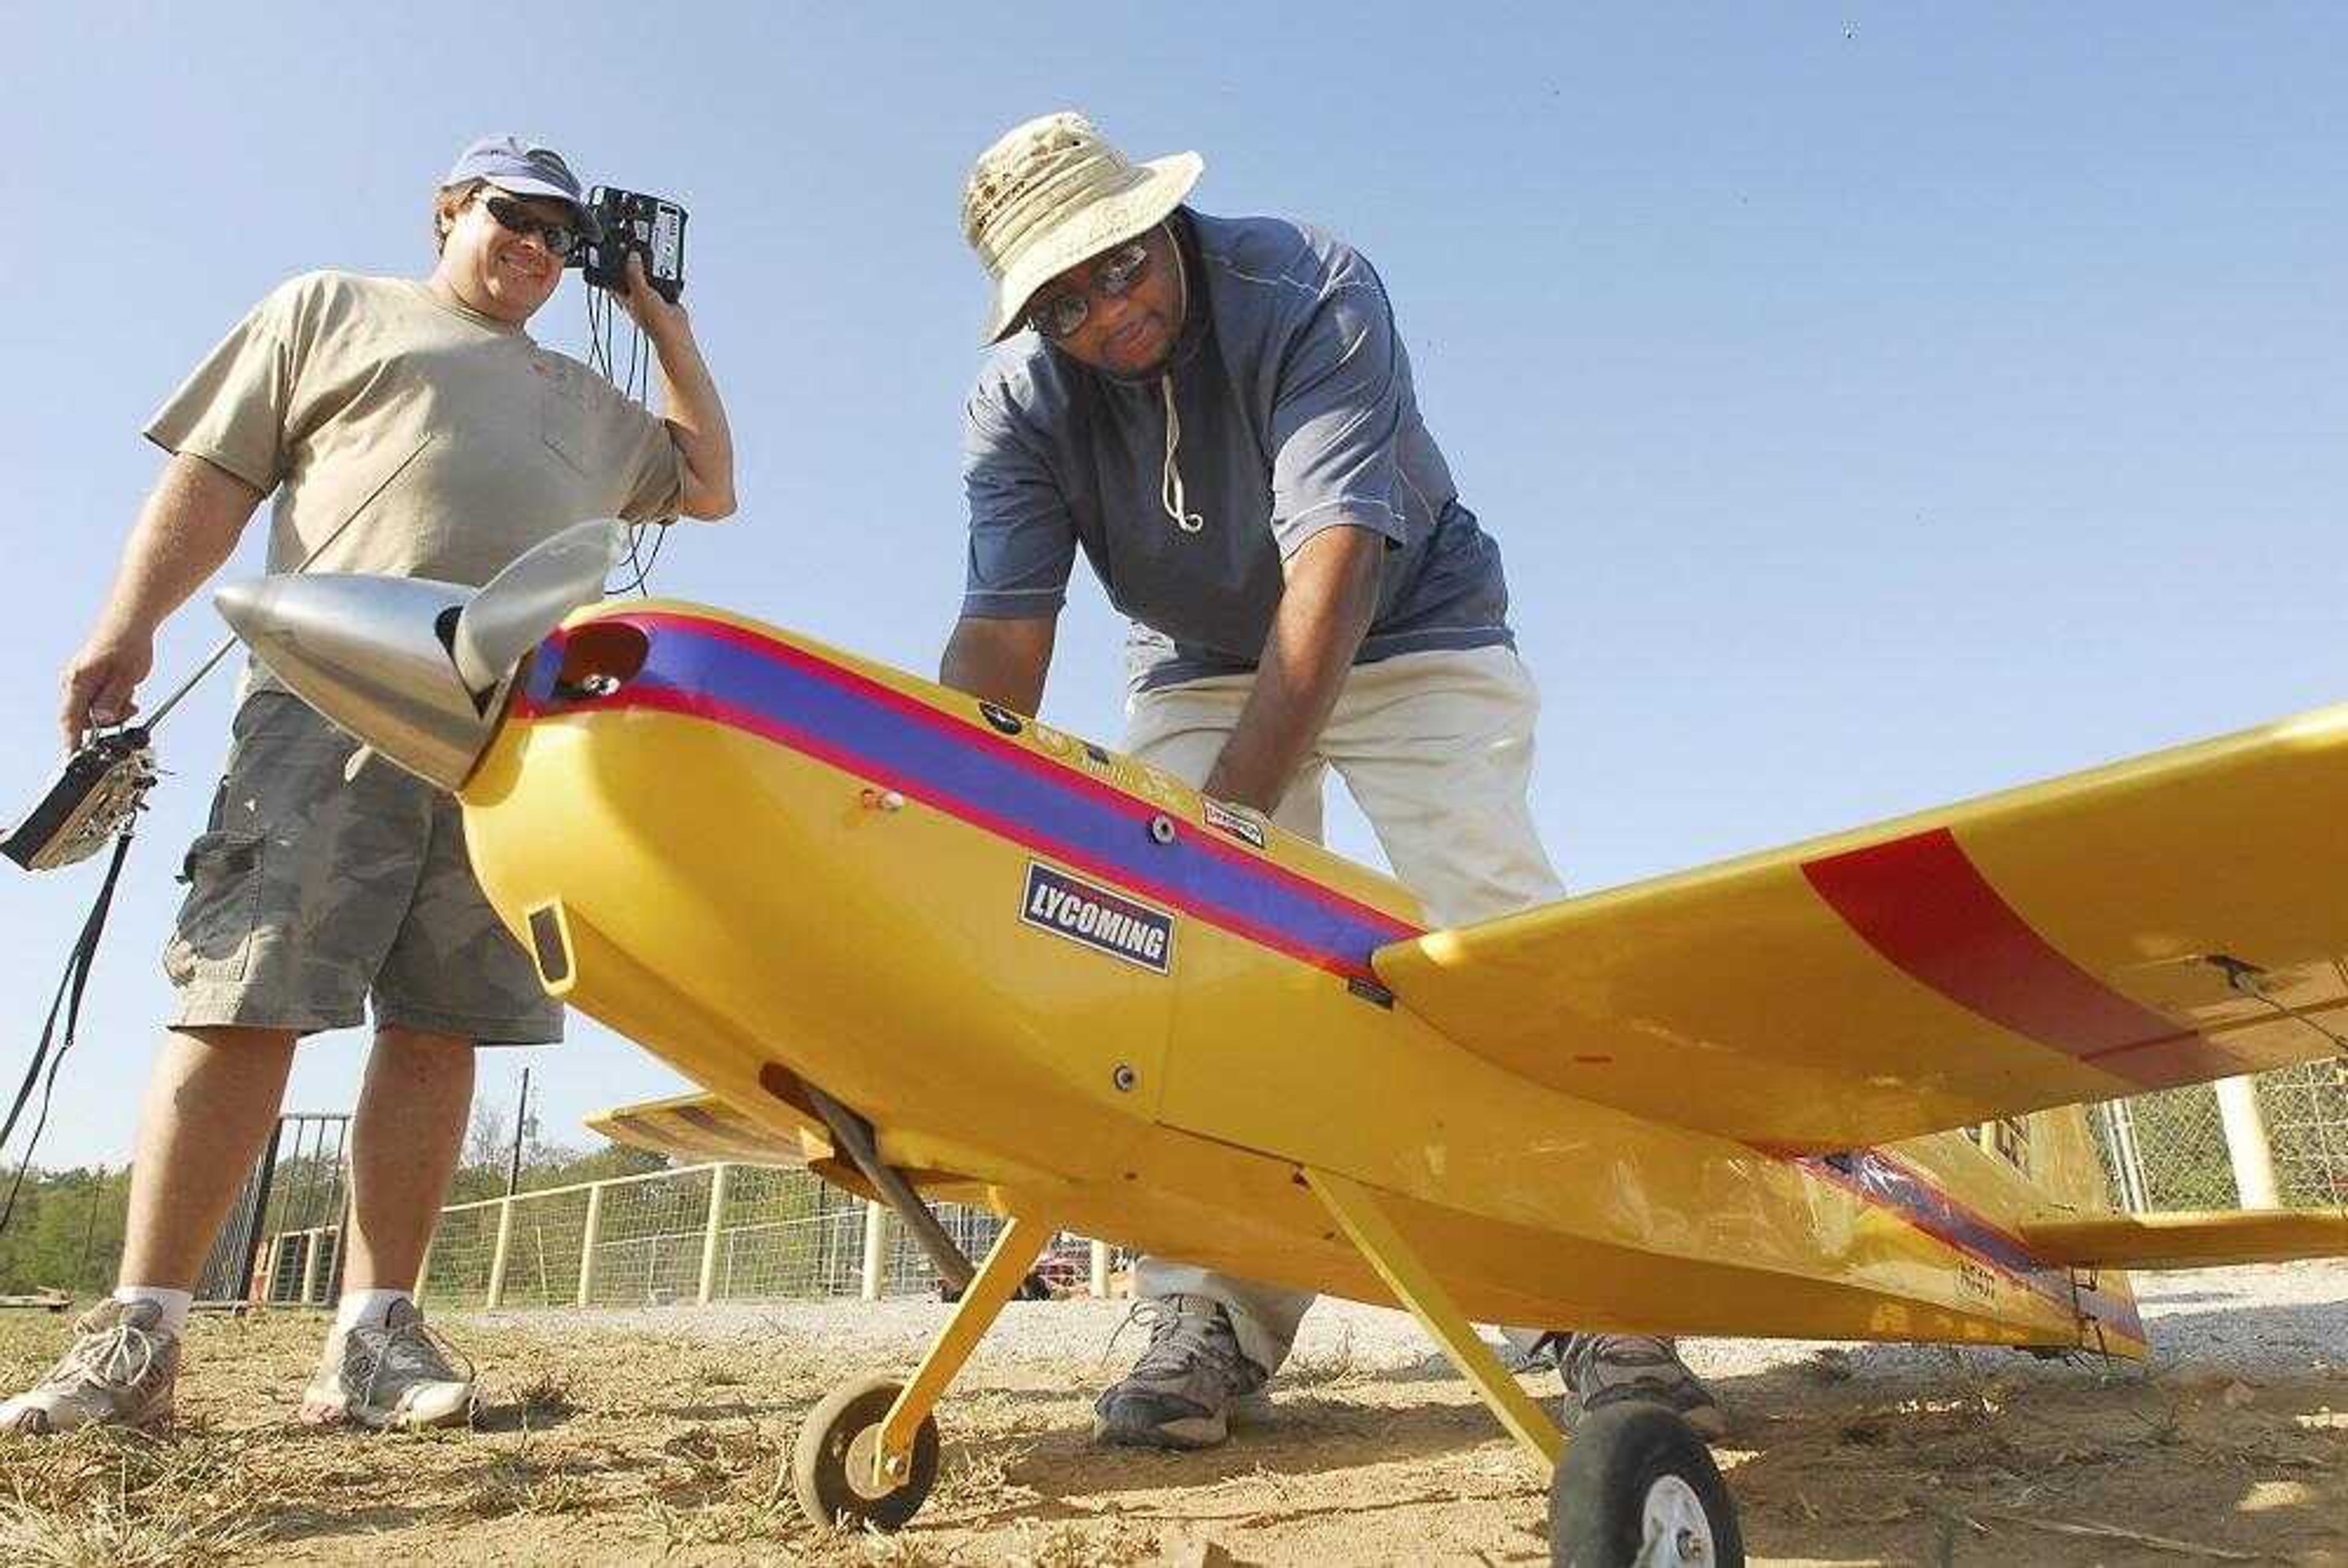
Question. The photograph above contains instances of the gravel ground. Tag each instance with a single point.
(2196, 1319)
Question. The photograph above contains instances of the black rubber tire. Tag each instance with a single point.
(1598, 1499)
(819, 1459)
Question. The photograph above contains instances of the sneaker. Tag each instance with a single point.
(1601, 1369)
(1178, 1395)
(120, 1372)
(393, 1374)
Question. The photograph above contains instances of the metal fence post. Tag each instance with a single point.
(496, 1291)
(875, 1251)
(713, 1231)
(587, 1238)
(2247, 1145)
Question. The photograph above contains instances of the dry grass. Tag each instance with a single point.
(603, 1447)
(123, 1498)
(574, 1428)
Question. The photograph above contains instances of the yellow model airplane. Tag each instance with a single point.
(935, 948)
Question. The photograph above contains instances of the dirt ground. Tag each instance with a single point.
(618, 1438)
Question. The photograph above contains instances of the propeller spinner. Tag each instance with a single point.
(371, 654)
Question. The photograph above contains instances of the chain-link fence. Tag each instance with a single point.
(2173, 1150)
(738, 1233)
(707, 1232)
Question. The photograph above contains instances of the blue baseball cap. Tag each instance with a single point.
(521, 168)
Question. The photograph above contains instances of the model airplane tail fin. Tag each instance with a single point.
(2210, 1239)
(699, 1127)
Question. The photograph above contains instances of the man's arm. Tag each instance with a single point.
(1326, 609)
(1002, 661)
(689, 401)
(188, 526)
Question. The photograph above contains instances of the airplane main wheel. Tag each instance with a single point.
(831, 1462)
(1637, 1489)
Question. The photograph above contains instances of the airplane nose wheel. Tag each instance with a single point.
(1637, 1489)
(831, 1462)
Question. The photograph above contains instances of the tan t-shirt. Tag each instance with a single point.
(336, 380)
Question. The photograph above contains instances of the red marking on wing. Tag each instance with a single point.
(1924, 905)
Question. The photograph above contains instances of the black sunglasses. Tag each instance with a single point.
(559, 238)
(1061, 314)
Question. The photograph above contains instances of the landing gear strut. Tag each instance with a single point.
(1636, 1488)
(868, 1454)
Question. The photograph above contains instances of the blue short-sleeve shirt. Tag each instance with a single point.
(1293, 412)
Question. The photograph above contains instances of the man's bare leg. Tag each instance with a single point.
(404, 1140)
(212, 1098)
(381, 1367)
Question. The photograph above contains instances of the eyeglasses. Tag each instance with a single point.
(559, 238)
(1060, 315)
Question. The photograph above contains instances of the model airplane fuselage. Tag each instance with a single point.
(1071, 984)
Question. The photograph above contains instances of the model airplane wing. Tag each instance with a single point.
(2168, 920)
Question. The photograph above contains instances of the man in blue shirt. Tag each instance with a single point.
(1220, 413)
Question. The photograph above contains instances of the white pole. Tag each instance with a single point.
(710, 1233)
(588, 1237)
(1100, 1270)
(2127, 1159)
(2246, 1144)
(497, 1292)
(876, 1249)
(311, 1261)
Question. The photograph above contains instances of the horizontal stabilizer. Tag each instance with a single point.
(695, 1128)
(2205, 1239)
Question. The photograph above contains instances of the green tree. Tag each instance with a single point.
(66, 1232)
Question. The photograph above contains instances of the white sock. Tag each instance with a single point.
(174, 1303)
(367, 1309)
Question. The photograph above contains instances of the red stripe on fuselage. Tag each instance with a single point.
(1923, 905)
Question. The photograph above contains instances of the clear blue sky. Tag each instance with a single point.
(1875, 407)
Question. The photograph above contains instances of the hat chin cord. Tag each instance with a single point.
(1169, 479)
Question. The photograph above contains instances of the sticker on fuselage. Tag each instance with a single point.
(1107, 922)
(1003, 720)
(1238, 824)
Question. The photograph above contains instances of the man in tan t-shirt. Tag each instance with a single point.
(408, 428)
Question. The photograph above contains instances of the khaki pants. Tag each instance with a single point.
(1437, 751)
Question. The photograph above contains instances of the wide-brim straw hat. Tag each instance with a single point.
(1053, 192)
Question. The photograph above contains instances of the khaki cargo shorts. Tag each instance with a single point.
(310, 896)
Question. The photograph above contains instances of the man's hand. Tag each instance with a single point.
(101, 682)
(645, 305)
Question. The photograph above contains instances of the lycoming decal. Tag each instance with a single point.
(1083, 912)
(1237, 824)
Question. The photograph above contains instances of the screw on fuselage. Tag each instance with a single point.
(1125, 1078)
